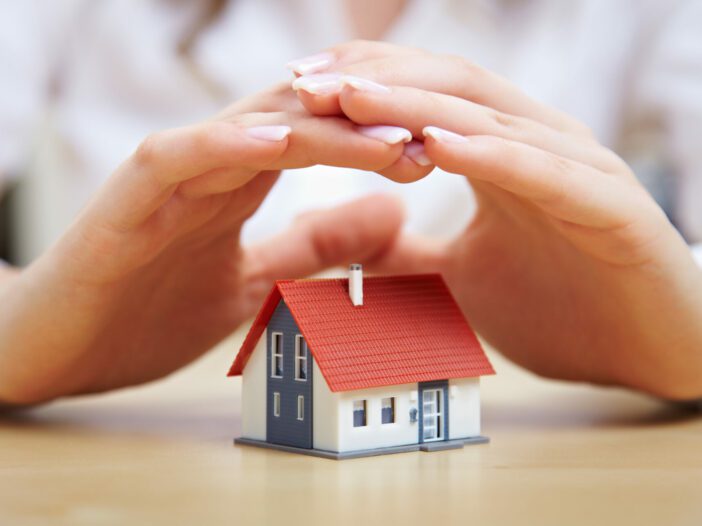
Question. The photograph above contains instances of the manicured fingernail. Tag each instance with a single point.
(322, 84)
(311, 64)
(415, 151)
(269, 133)
(386, 134)
(441, 135)
(362, 84)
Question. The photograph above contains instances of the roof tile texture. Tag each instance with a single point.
(409, 329)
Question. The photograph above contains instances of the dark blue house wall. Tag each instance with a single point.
(286, 429)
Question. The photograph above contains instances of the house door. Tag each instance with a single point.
(433, 418)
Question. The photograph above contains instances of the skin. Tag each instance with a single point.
(152, 274)
(569, 267)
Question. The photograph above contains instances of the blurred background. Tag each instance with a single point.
(83, 81)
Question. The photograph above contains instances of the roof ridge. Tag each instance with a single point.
(365, 277)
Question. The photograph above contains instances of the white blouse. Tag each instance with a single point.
(83, 81)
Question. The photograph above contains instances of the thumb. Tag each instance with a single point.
(359, 231)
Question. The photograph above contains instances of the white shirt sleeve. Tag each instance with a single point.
(697, 253)
(668, 88)
(31, 36)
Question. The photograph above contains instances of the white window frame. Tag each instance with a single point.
(364, 405)
(300, 345)
(392, 406)
(276, 404)
(276, 353)
(300, 407)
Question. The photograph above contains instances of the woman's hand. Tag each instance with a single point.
(152, 275)
(569, 267)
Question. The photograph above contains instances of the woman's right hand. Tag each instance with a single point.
(151, 274)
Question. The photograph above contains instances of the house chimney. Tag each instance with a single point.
(356, 284)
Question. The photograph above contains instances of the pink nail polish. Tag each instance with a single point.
(362, 84)
(441, 135)
(311, 64)
(386, 134)
(269, 133)
(320, 84)
(415, 151)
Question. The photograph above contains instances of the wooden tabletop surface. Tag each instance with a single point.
(162, 454)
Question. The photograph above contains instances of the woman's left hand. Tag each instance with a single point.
(569, 267)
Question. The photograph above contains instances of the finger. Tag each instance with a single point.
(413, 165)
(450, 75)
(319, 93)
(342, 55)
(566, 189)
(166, 159)
(335, 141)
(412, 254)
(395, 164)
(359, 231)
(319, 88)
(412, 108)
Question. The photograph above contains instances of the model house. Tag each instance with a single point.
(355, 367)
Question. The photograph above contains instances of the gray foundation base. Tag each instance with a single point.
(426, 446)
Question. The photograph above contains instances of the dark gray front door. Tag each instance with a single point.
(433, 411)
(289, 382)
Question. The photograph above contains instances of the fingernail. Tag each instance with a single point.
(311, 64)
(362, 84)
(269, 133)
(415, 151)
(441, 135)
(386, 134)
(322, 84)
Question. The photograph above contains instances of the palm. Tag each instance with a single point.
(551, 301)
(184, 299)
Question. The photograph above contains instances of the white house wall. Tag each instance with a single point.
(332, 427)
(253, 393)
(464, 415)
(375, 434)
(325, 411)
(464, 408)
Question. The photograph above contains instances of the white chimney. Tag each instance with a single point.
(356, 284)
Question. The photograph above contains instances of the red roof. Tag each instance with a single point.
(409, 329)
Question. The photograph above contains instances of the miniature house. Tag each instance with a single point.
(355, 367)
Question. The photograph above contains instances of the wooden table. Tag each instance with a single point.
(162, 454)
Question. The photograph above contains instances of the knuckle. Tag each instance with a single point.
(148, 149)
(468, 70)
(583, 130)
(428, 100)
(471, 71)
(328, 243)
(356, 47)
(555, 191)
(361, 43)
(559, 165)
(502, 148)
(461, 64)
(507, 123)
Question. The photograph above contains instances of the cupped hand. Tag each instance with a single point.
(152, 274)
(569, 267)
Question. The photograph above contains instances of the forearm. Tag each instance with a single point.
(7, 273)
(44, 330)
